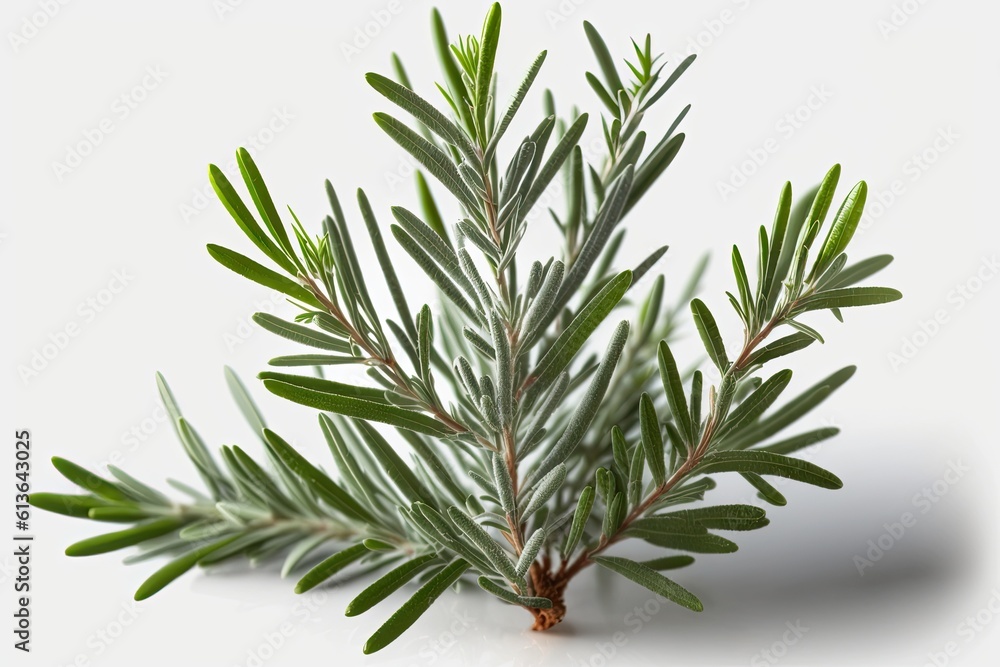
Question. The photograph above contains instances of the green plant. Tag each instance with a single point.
(568, 450)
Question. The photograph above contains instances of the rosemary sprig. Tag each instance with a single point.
(538, 438)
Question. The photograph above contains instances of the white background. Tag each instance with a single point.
(908, 101)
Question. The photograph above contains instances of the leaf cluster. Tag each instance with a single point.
(534, 418)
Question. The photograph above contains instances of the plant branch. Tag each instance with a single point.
(695, 455)
(387, 361)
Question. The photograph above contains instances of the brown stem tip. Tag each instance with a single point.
(549, 587)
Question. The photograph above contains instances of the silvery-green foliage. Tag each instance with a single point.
(505, 436)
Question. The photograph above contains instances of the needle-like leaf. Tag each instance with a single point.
(329, 567)
(389, 583)
(767, 463)
(651, 579)
(652, 439)
(261, 275)
(710, 336)
(350, 402)
(421, 601)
